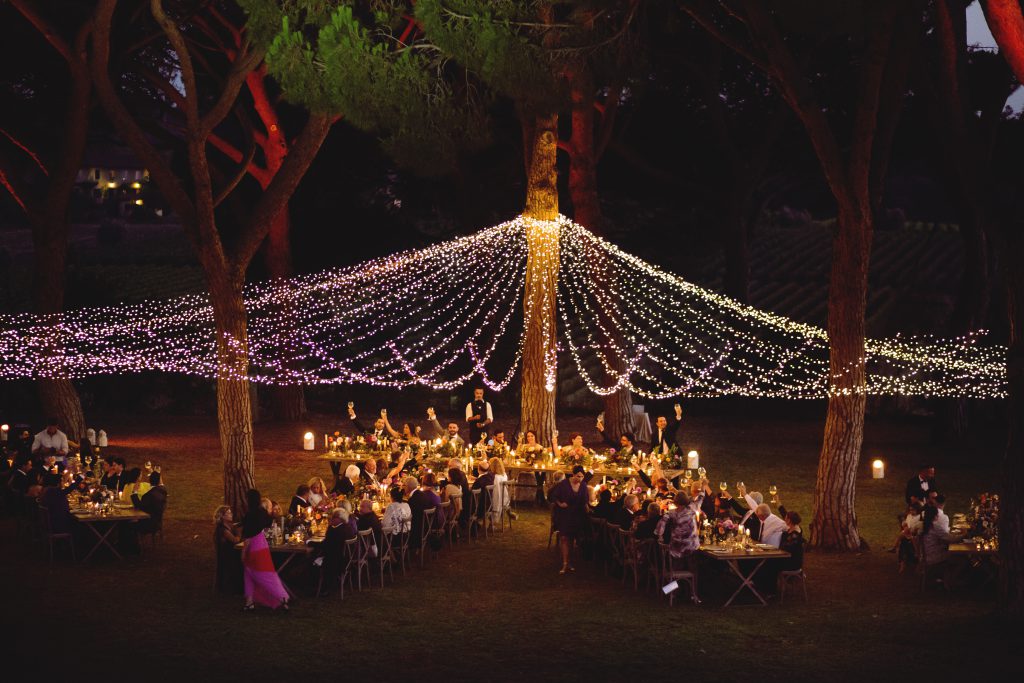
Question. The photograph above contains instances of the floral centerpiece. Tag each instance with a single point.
(673, 460)
(572, 457)
(724, 528)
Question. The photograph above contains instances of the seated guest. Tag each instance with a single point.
(409, 436)
(605, 509)
(113, 477)
(21, 479)
(431, 499)
(772, 527)
(921, 485)
(500, 448)
(366, 518)
(663, 490)
(941, 519)
(332, 548)
(681, 525)
(132, 484)
(348, 484)
(624, 450)
(935, 542)
(575, 452)
(748, 520)
(627, 515)
(51, 441)
(417, 503)
(557, 477)
(299, 500)
(485, 478)
(792, 541)
(229, 563)
(369, 473)
(57, 509)
(450, 436)
(397, 515)
(645, 527)
(154, 502)
(373, 436)
(453, 489)
(317, 491)
(499, 478)
(910, 526)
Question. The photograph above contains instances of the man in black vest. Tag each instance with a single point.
(478, 416)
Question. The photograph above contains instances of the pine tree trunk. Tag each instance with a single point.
(586, 204)
(234, 407)
(539, 343)
(288, 402)
(1011, 512)
(834, 525)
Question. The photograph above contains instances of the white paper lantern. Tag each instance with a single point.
(101, 439)
(90, 435)
(878, 470)
(307, 441)
(692, 460)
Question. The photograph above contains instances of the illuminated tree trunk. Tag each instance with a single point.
(834, 522)
(1006, 21)
(539, 350)
(234, 407)
(586, 204)
(289, 401)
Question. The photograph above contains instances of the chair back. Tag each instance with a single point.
(365, 538)
(428, 521)
(488, 497)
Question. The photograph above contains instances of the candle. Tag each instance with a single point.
(692, 460)
(307, 441)
(878, 470)
(3, 432)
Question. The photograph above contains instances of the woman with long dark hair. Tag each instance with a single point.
(262, 584)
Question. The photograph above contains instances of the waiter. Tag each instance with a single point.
(478, 415)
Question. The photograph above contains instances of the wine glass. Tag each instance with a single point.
(688, 475)
(773, 489)
(701, 472)
(351, 405)
(739, 485)
(723, 486)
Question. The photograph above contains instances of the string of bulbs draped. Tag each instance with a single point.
(440, 316)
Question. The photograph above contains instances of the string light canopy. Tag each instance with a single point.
(440, 316)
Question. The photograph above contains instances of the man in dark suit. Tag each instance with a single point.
(369, 473)
(663, 438)
(623, 449)
(153, 502)
(627, 515)
(299, 500)
(921, 485)
(417, 504)
(478, 415)
(486, 478)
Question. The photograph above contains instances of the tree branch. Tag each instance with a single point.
(275, 198)
(701, 12)
(243, 169)
(25, 148)
(188, 74)
(44, 27)
(1006, 21)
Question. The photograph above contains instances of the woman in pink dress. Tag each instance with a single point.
(262, 584)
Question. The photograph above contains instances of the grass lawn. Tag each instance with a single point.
(498, 609)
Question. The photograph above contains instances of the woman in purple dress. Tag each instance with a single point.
(570, 497)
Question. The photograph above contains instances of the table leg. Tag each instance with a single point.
(287, 561)
(102, 540)
(747, 582)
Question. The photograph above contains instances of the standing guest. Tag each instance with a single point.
(225, 537)
(646, 526)
(299, 500)
(772, 527)
(317, 491)
(570, 497)
(921, 485)
(478, 415)
(51, 441)
(262, 584)
(663, 437)
(397, 515)
(681, 524)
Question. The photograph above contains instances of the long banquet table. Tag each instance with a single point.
(116, 516)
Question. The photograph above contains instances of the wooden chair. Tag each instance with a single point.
(425, 532)
(488, 512)
(385, 557)
(670, 573)
(365, 549)
(630, 557)
(474, 516)
(50, 537)
(506, 507)
(344, 574)
(614, 544)
(451, 520)
(400, 548)
(789, 577)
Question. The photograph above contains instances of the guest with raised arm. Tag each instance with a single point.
(772, 527)
(449, 436)
(478, 415)
(376, 435)
(663, 438)
(409, 436)
(624, 448)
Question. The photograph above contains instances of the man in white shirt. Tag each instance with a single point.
(772, 527)
(51, 441)
(663, 438)
(941, 522)
(478, 415)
